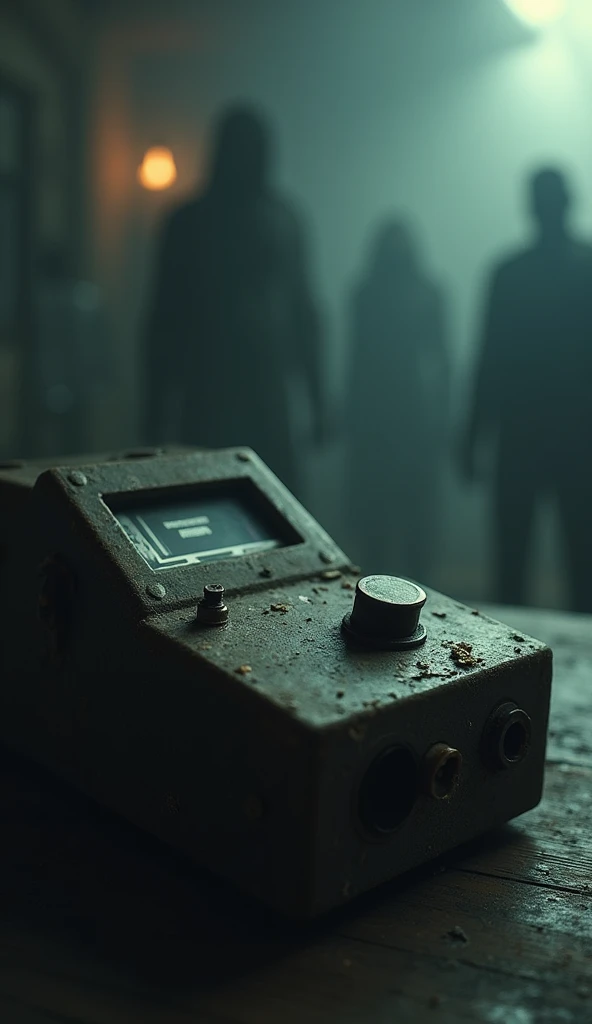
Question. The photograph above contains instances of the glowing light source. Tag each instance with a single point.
(537, 12)
(158, 169)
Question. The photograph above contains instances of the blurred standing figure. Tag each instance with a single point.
(233, 315)
(71, 371)
(532, 395)
(397, 410)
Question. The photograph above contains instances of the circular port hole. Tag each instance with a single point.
(515, 741)
(388, 790)
(443, 769)
(507, 736)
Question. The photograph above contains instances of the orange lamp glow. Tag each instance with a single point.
(158, 169)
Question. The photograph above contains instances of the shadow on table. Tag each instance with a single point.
(477, 856)
(83, 876)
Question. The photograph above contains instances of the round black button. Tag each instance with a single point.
(386, 613)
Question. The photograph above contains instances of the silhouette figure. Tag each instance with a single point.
(532, 394)
(397, 409)
(233, 318)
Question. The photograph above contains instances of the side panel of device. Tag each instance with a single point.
(430, 773)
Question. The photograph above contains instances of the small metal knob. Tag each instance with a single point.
(212, 609)
(386, 613)
(442, 770)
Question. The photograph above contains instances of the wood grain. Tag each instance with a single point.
(102, 925)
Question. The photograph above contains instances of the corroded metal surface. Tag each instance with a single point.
(270, 748)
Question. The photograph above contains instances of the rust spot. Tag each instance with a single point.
(462, 653)
(425, 672)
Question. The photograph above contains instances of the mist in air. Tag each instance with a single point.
(355, 237)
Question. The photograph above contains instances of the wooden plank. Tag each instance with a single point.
(107, 926)
(551, 845)
(337, 978)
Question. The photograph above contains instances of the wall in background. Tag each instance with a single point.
(42, 54)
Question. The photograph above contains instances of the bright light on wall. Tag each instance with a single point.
(158, 169)
(581, 18)
(537, 12)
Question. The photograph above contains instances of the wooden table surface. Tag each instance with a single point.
(102, 925)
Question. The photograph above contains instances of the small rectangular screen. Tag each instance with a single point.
(201, 528)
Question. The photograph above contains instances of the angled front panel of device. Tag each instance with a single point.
(167, 524)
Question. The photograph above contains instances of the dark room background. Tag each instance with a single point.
(432, 110)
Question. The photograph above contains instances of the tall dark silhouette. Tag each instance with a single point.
(233, 318)
(532, 397)
(397, 409)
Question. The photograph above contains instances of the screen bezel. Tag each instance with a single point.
(243, 489)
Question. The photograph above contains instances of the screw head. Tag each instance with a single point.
(156, 590)
(78, 478)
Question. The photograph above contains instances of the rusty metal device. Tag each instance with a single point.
(183, 642)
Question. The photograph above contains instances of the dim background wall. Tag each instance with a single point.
(44, 54)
